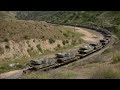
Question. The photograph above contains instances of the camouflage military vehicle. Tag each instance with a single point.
(41, 63)
(64, 57)
(86, 49)
(61, 55)
(104, 41)
(95, 45)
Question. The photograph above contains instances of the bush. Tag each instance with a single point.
(116, 59)
(31, 48)
(7, 47)
(58, 45)
(39, 47)
(74, 42)
(66, 35)
(28, 45)
(65, 42)
(73, 36)
(6, 40)
(34, 40)
(47, 51)
(80, 41)
(51, 41)
(42, 37)
(61, 31)
(25, 37)
(54, 36)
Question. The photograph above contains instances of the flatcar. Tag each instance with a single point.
(64, 57)
(67, 57)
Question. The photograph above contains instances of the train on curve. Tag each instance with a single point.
(64, 58)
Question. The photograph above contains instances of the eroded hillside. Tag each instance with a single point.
(19, 38)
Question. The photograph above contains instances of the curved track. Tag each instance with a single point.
(18, 73)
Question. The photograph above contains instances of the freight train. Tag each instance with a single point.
(64, 58)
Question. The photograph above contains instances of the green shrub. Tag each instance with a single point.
(28, 45)
(116, 59)
(7, 47)
(39, 47)
(74, 42)
(51, 41)
(66, 34)
(80, 41)
(34, 40)
(6, 40)
(58, 45)
(47, 51)
(65, 42)
(31, 48)
(42, 37)
(26, 37)
(54, 36)
(61, 31)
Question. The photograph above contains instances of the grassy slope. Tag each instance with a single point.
(18, 30)
(106, 19)
(7, 15)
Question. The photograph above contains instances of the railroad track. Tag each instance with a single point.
(68, 61)
(53, 66)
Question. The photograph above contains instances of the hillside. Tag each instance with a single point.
(26, 35)
(21, 40)
(7, 15)
(105, 19)
(20, 36)
(18, 30)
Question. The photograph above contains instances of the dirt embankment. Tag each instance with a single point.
(22, 38)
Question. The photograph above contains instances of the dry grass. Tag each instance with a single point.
(116, 57)
(19, 30)
(49, 75)
(4, 64)
(106, 72)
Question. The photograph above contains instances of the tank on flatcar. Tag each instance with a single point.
(62, 57)
(41, 63)
(83, 51)
(36, 62)
(94, 45)
(108, 35)
(86, 49)
(50, 61)
(104, 41)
